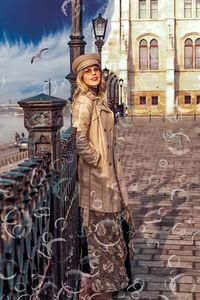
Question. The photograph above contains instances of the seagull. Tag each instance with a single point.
(38, 55)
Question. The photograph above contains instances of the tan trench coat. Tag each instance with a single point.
(102, 185)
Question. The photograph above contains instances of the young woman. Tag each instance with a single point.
(103, 194)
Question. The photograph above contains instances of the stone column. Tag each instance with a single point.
(43, 118)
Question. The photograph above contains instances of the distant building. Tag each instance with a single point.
(154, 46)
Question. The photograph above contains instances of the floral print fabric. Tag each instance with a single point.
(107, 250)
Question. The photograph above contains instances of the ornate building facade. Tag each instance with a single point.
(154, 46)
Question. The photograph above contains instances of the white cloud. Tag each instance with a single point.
(19, 79)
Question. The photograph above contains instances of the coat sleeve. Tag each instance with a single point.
(82, 121)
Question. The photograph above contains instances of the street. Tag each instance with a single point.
(161, 162)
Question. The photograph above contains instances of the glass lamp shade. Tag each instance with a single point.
(105, 73)
(121, 82)
(99, 26)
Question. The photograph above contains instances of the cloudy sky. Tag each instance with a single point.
(26, 27)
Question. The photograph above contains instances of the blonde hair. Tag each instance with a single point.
(82, 88)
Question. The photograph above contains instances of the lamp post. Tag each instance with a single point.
(99, 27)
(76, 43)
(121, 85)
(49, 82)
(105, 73)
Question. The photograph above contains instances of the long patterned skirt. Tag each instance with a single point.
(107, 242)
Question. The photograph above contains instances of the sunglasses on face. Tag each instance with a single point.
(91, 70)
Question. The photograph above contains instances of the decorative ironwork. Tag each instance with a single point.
(39, 217)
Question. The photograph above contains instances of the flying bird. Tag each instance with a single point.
(38, 55)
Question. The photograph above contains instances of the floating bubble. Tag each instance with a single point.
(189, 221)
(4, 297)
(67, 198)
(70, 290)
(10, 264)
(56, 163)
(105, 226)
(142, 228)
(59, 186)
(125, 123)
(64, 7)
(121, 140)
(178, 144)
(152, 217)
(94, 295)
(172, 284)
(180, 194)
(194, 235)
(174, 265)
(23, 296)
(162, 211)
(12, 214)
(97, 204)
(183, 179)
(43, 254)
(163, 297)
(50, 244)
(115, 187)
(69, 157)
(46, 237)
(153, 179)
(177, 230)
(42, 212)
(59, 220)
(167, 135)
(46, 88)
(163, 163)
(181, 110)
(18, 231)
(93, 193)
(137, 281)
(177, 192)
(20, 287)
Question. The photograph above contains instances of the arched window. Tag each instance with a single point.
(188, 54)
(153, 55)
(197, 54)
(143, 55)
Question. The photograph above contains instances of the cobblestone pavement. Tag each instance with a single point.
(162, 167)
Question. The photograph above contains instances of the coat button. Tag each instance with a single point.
(115, 144)
(104, 129)
(108, 147)
(118, 159)
(110, 164)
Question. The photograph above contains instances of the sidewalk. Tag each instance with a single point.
(162, 166)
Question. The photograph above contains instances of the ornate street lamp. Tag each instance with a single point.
(121, 85)
(99, 27)
(105, 73)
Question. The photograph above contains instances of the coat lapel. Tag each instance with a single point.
(102, 106)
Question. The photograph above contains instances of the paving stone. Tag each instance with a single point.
(150, 263)
(163, 250)
(177, 296)
(157, 286)
(192, 288)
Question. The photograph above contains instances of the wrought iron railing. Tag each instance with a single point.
(39, 225)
